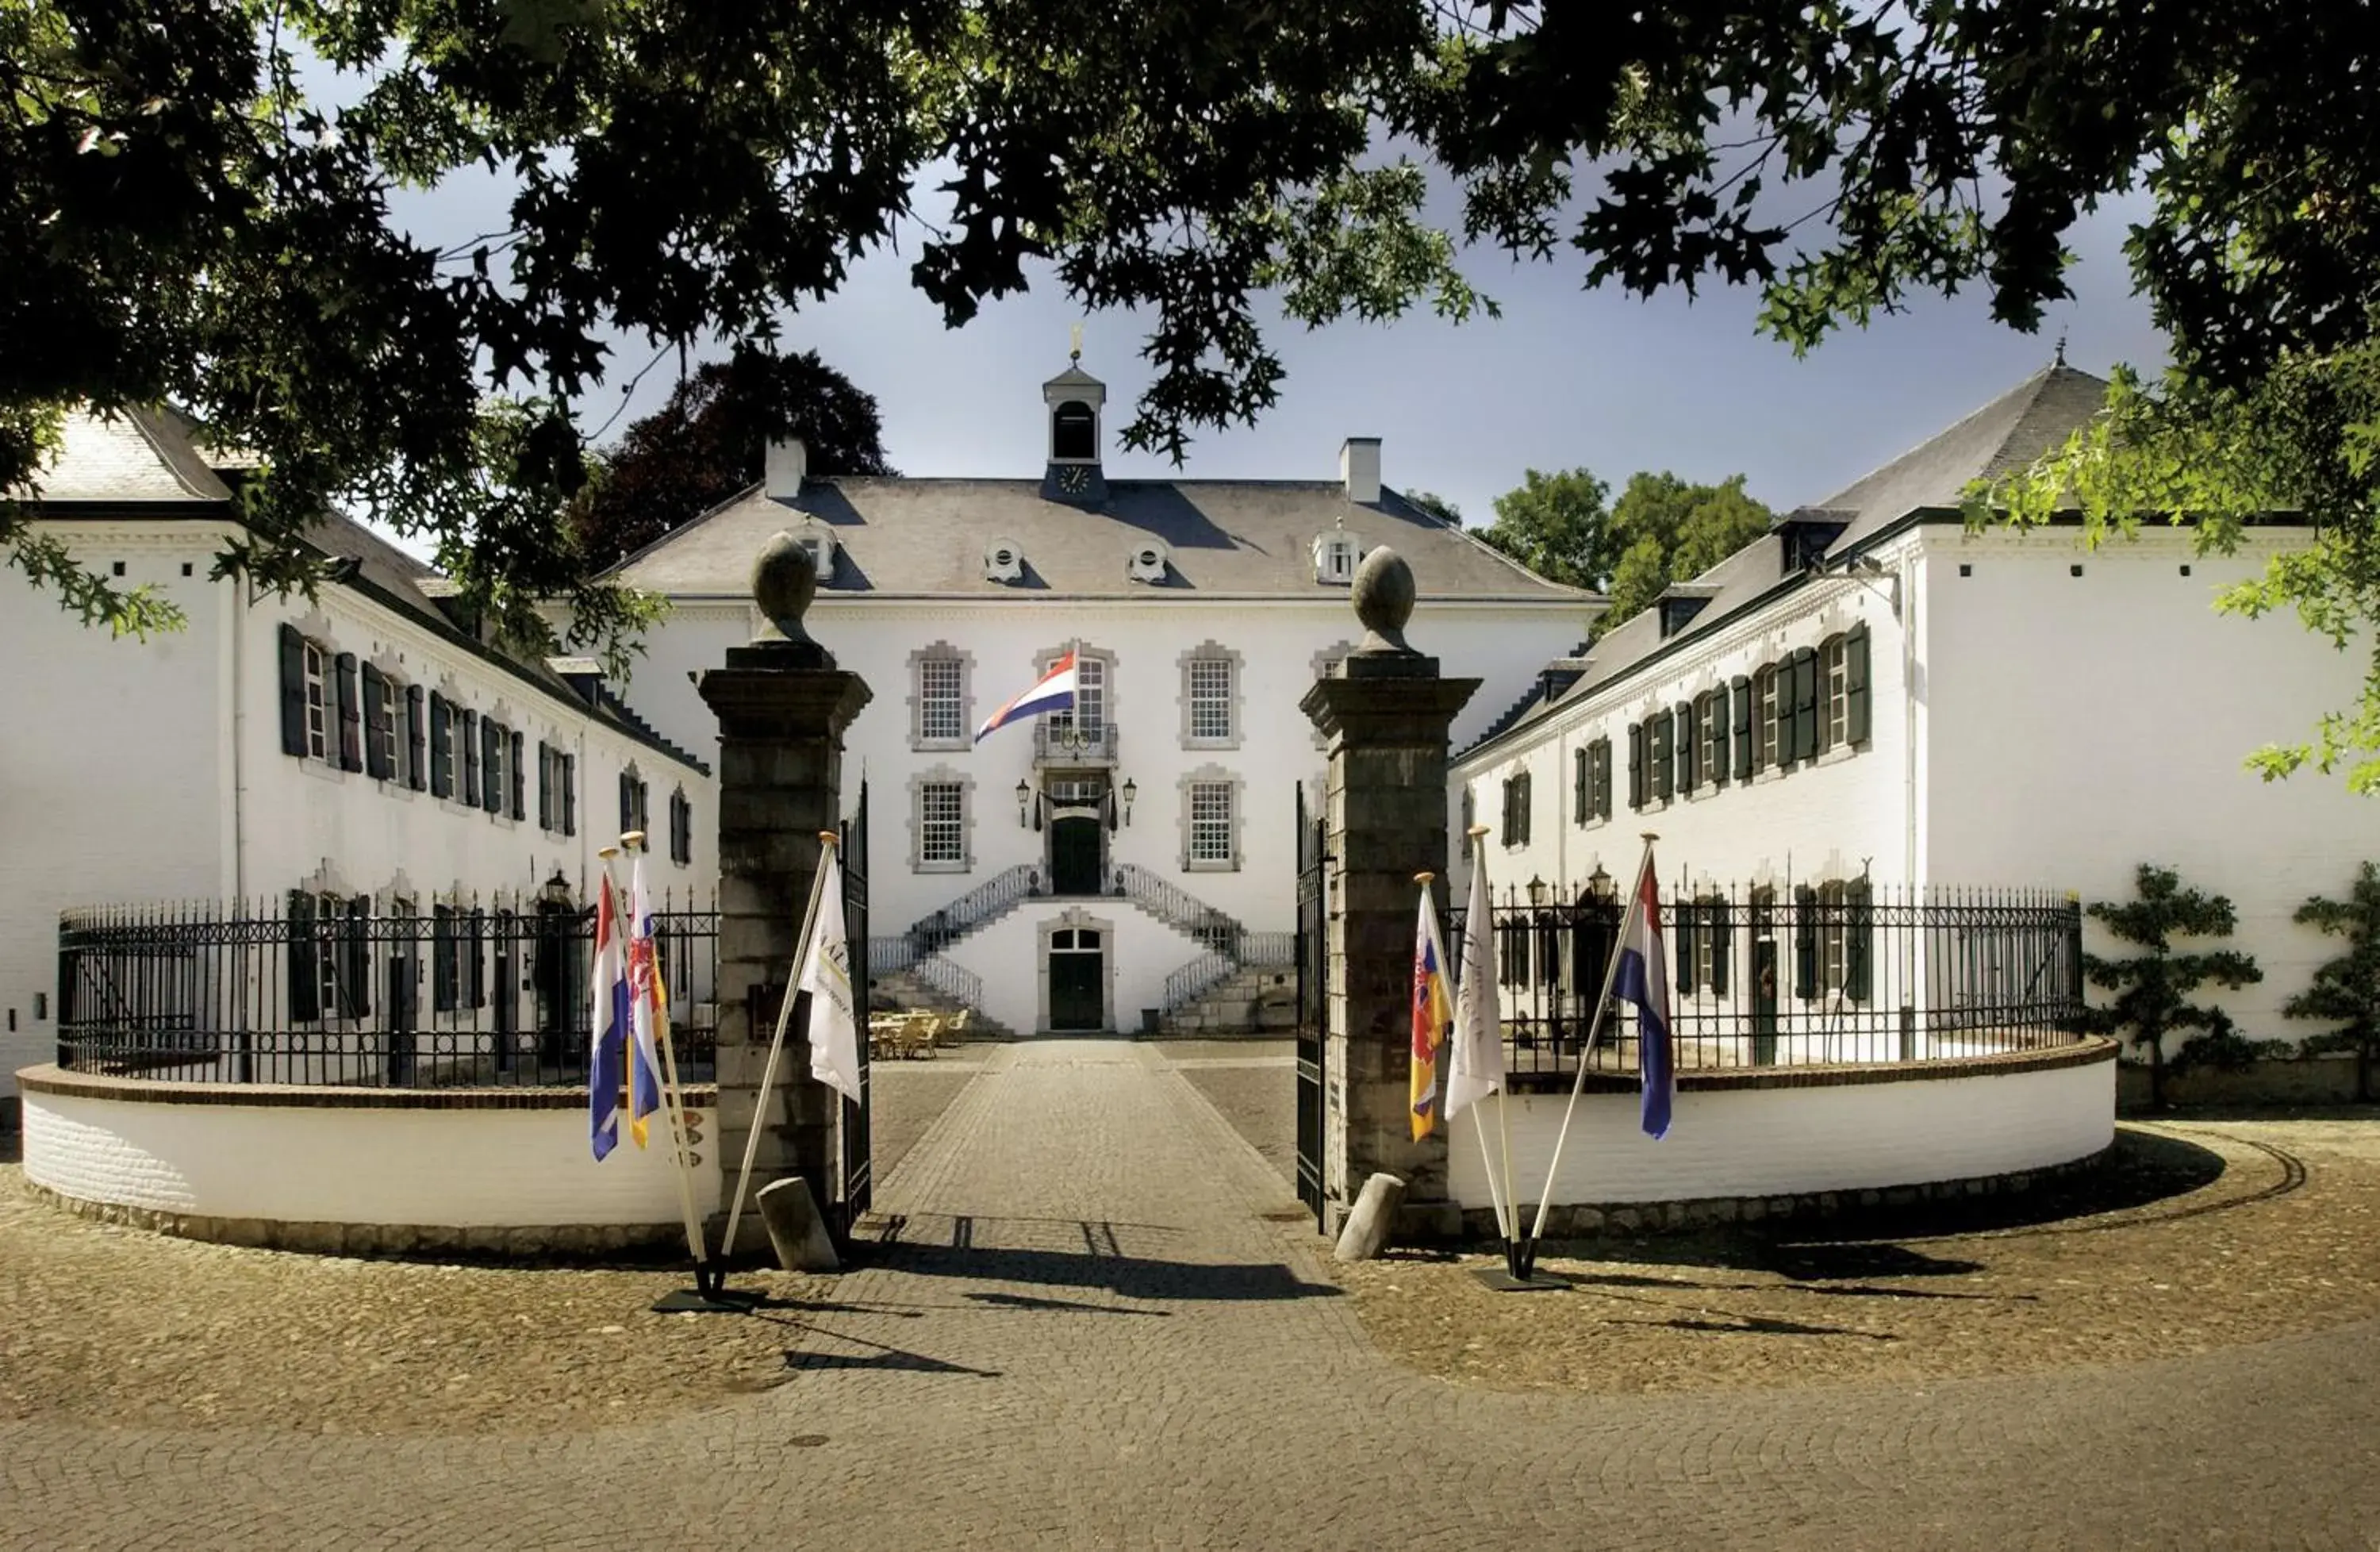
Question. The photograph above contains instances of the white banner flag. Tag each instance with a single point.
(826, 975)
(1476, 1067)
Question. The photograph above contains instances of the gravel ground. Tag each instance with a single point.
(2197, 1235)
(120, 1326)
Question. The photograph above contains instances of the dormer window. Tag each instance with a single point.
(1335, 558)
(1146, 562)
(820, 544)
(1074, 432)
(1004, 560)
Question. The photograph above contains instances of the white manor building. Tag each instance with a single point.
(1087, 870)
(355, 758)
(1871, 697)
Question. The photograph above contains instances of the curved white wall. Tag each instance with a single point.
(451, 1167)
(1776, 1142)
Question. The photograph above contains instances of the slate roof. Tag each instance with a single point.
(2005, 436)
(147, 463)
(1227, 538)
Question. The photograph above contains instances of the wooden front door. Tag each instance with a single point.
(1077, 979)
(1076, 855)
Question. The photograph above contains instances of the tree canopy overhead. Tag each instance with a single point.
(179, 223)
(1662, 529)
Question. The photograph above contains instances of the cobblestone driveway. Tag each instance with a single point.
(1088, 1328)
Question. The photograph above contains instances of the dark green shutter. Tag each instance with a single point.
(1603, 777)
(1635, 765)
(1711, 714)
(1855, 683)
(570, 794)
(1686, 911)
(351, 728)
(544, 785)
(1746, 736)
(467, 733)
(519, 777)
(1659, 753)
(377, 740)
(1719, 924)
(1859, 940)
(1688, 745)
(304, 977)
(442, 746)
(293, 692)
(1805, 704)
(493, 744)
(442, 976)
(628, 803)
(1582, 784)
(475, 963)
(417, 733)
(355, 972)
(1806, 943)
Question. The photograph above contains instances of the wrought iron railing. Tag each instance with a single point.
(996, 896)
(1797, 975)
(1058, 741)
(1169, 902)
(321, 988)
(1269, 948)
(950, 979)
(1196, 979)
(890, 953)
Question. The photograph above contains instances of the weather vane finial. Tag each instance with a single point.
(2061, 349)
(1075, 354)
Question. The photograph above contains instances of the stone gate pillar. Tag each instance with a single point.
(782, 707)
(1384, 712)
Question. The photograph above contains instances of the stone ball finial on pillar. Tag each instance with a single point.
(1383, 596)
(784, 580)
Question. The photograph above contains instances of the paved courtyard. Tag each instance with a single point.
(1097, 1321)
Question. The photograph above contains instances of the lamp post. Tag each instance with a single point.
(1599, 885)
(1130, 791)
(1024, 797)
(1537, 887)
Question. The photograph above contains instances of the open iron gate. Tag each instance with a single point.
(1313, 1001)
(859, 1183)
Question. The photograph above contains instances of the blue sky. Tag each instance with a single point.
(1566, 377)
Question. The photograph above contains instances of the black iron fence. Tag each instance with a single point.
(1797, 975)
(325, 989)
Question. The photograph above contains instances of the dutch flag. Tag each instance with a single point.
(608, 1007)
(1055, 692)
(1644, 980)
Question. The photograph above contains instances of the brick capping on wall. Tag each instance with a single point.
(2081, 1052)
(51, 1079)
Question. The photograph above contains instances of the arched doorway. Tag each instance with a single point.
(1077, 851)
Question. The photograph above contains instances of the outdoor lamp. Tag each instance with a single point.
(1024, 796)
(1129, 791)
(1537, 891)
(1598, 883)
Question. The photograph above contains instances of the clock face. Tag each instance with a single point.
(1074, 479)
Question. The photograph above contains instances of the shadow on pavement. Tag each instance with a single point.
(1126, 1277)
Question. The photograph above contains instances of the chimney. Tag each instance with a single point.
(1359, 469)
(788, 461)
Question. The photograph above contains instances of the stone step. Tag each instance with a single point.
(1251, 999)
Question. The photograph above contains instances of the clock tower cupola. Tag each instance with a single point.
(1074, 399)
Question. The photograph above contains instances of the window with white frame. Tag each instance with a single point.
(941, 700)
(1765, 694)
(1711, 724)
(1335, 558)
(319, 714)
(1211, 699)
(1210, 823)
(1091, 695)
(941, 823)
(1834, 722)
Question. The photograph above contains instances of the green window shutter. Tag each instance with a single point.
(377, 729)
(1635, 765)
(519, 775)
(1806, 943)
(1664, 754)
(1581, 785)
(305, 973)
(351, 730)
(1746, 736)
(544, 785)
(1711, 715)
(442, 975)
(1686, 911)
(1681, 718)
(628, 802)
(1603, 777)
(1783, 669)
(1855, 683)
(475, 963)
(1717, 923)
(467, 733)
(416, 734)
(354, 971)
(493, 744)
(442, 746)
(1805, 704)
(570, 794)
(1859, 941)
(293, 692)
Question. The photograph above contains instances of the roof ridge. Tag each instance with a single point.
(2030, 387)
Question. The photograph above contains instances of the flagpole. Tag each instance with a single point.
(1610, 973)
(827, 841)
(1507, 1216)
(706, 1278)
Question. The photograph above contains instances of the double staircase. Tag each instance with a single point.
(1229, 987)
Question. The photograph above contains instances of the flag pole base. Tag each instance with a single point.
(710, 1294)
(1519, 1273)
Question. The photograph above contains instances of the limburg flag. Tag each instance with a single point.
(1430, 1012)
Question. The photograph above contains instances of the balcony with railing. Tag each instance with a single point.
(1059, 742)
